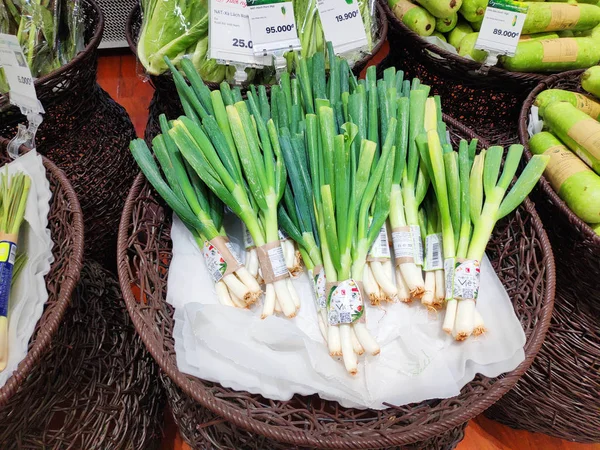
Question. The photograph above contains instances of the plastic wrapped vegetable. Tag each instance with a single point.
(310, 29)
(51, 32)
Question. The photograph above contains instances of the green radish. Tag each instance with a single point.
(553, 55)
(477, 24)
(467, 48)
(441, 8)
(458, 33)
(577, 130)
(596, 229)
(439, 35)
(560, 16)
(538, 36)
(590, 80)
(473, 10)
(573, 181)
(447, 24)
(581, 102)
(413, 16)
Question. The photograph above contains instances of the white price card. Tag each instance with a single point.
(501, 27)
(273, 27)
(18, 75)
(230, 38)
(342, 24)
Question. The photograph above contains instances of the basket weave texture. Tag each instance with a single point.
(488, 103)
(66, 228)
(559, 395)
(166, 99)
(97, 388)
(519, 251)
(87, 135)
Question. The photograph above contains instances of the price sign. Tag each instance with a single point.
(20, 82)
(230, 38)
(342, 24)
(501, 27)
(273, 27)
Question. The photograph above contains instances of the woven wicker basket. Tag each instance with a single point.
(66, 229)
(87, 135)
(97, 388)
(165, 98)
(519, 251)
(560, 394)
(489, 103)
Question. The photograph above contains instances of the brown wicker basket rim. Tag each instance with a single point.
(469, 65)
(548, 83)
(134, 17)
(300, 437)
(49, 324)
(90, 47)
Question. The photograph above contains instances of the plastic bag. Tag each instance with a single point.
(310, 29)
(50, 32)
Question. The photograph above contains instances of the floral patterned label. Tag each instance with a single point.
(345, 303)
(216, 264)
(466, 280)
(319, 283)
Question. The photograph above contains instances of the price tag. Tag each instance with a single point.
(501, 27)
(20, 82)
(230, 38)
(273, 27)
(342, 24)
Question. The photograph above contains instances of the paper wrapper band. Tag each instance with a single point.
(403, 245)
(272, 262)
(8, 253)
(219, 258)
(345, 300)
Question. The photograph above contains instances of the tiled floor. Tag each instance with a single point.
(121, 77)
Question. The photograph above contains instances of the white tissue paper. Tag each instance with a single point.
(535, 125)
(278, 357)
(28, 293)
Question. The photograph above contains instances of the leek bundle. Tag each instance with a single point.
(14, 190)
(200, 211)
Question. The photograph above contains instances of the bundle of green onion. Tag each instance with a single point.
(14, 190)
(201, 212)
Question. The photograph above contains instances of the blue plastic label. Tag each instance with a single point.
(8, 252)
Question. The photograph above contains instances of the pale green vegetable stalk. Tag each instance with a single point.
(14, 190)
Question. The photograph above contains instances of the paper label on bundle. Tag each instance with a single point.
(18, 75)
(342, 24)
(415, 231)
(229, 37)
(277, 261)
(559, 50)
(466, 280)
(248, 241)
(345, 303)
(403, 245)
(562, 165)
(587, 134)
(273, 27)
(216, 263)
(8, 253)
(319, 283)
(501, 27)
(381, 246)
(433, 244)
(587, 105)
(563, 16)
(449, 266)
